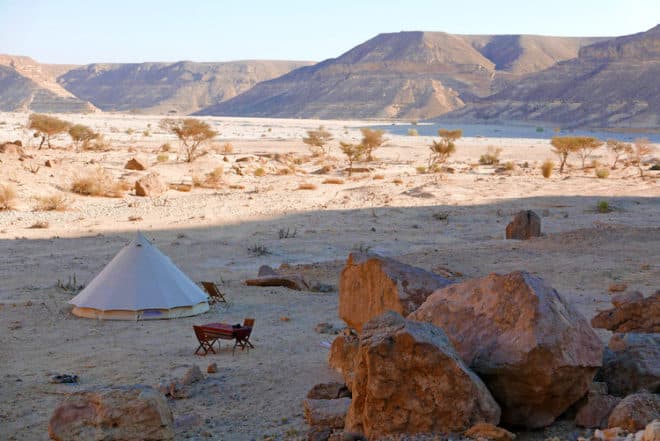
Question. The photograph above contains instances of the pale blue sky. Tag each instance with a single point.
(78, 31)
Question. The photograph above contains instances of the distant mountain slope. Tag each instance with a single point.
(26, 85)
(613, 83)
(182, 87)
(401, 75)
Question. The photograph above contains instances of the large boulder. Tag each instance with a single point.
(597, 407)
(535, 352)
(371, 284)
(525, 225)
(135, 164)
(112, 413)
(642, 315)
(326, 414)
(635, 411)
(631, 364)
(409, 379)
(150, 185)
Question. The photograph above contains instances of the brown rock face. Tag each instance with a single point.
(370, 285)
(632, 316)
(525, 225)
(150, 185)
(117, 413)
(594, 413)
(326, 414)
(632, 363)
(328, 391)
(535, 352)
(408, 379)
(635, 411)
(134, 164)
(342, 356)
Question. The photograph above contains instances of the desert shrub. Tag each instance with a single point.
(316, 140)
(306, 186)
(7, 197)
(603, 207)
(80, 134)
(602, 173)
(163, 157)
(146, 133)
(546, 168)
(413, 132)
(98, 144)
(420, 169)
(642, 148)
(584, 146)
(443, 149)
(491, 157)
(191, 132)
(258, 250)
(333, 181)
(130, 131)
(510, 166)
(99, 183)
(40, 224)
(371, 140)
(227, 148)
(213, 179)
(353, 153)
(46, 126)
(618, 149)
(259, 172)
(287, 234)
(56, 202)
(167, 147)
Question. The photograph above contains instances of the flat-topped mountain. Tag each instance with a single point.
(402, 75)
(182, 87)
(26, 85)
(611, 83)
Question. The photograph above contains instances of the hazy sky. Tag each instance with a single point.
(79, 31)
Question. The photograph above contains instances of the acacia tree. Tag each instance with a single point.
(317, 139)
(642, 148)
(371, 140)
(81, 134)
(618, 149)
(353, 153)
(191, 132)
(585, 146)
(46, 126)
(441, 150)
(563, 146)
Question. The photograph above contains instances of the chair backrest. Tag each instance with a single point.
(249, 322)
(199, 333)
(210, 288)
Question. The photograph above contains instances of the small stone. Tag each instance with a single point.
(212, 368)
(525, 225)
(193, 375)
(490, 432)
(134, 164)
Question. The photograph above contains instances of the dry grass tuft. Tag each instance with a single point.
(546, 168)
(307, 186)
(213, 179)
(333, 181)
(39, 224)
(7, 197)
(259, 172)
(99, 183)
(55, 202)
(163, 157)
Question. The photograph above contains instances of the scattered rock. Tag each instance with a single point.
(342, 355)
(328, 391)
(486, 431)
(212, 368)
(192, 375)
(631, 364)
(635, 411)
(371, 284)
(612, 434)
(634, 316)
(617, 287)
(174, 389)
(245, 159)
(11, 149)
(652, 431)
(535, 352)
(409, 379)
(326, 328)
(525, 225)
(323, 287)
(326, 414)
(134, 164)
(323, 170)
(594, 412)
(150, 185)
(296, 283)
(621, 299)
(265, 270)
(285, 318)
(112, 413)
(51, 163)
(64, 378)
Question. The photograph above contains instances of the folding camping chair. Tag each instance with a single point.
(243, 337)
(206, 340)
(214, 293)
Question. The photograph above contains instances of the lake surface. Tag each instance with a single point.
(511, 131)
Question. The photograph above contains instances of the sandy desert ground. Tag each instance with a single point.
(436, 221)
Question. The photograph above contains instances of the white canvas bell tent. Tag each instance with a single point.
(140, 283)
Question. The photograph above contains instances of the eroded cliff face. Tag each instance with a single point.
(412, 75)
(612, 83)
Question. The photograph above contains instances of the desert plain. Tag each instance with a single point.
(267, 204)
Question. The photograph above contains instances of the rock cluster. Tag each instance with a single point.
(633, 315)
